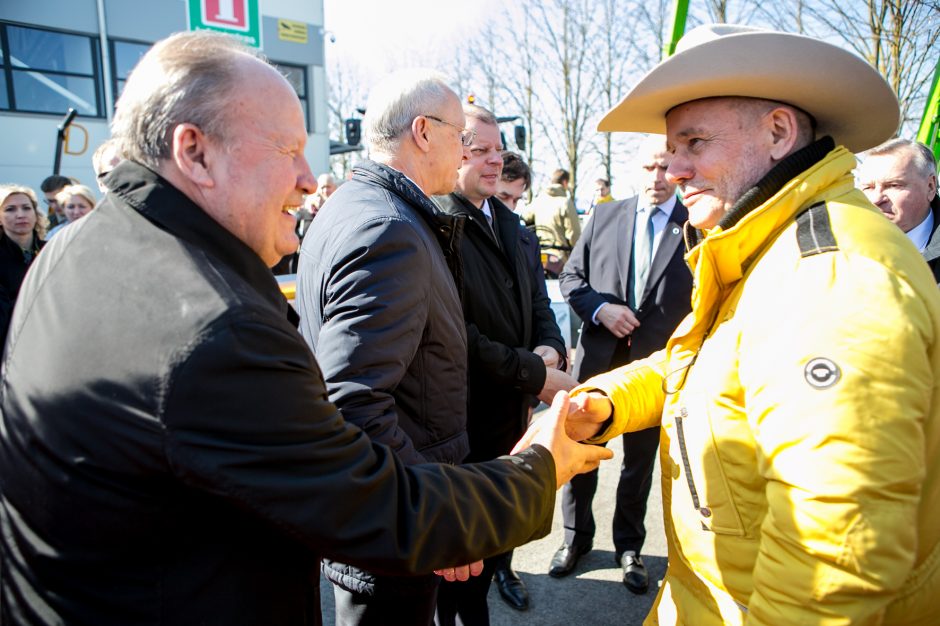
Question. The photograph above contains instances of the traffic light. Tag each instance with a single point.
(520, 137)
(353, 131)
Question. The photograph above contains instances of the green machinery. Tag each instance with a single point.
(929, 124)
(680, 12)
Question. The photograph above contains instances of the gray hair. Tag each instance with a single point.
(396, 101)
(104, 156)
(186, 78)
(921, 155)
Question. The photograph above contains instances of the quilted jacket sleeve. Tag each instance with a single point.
(375, 315)
(836, 403)
(636, 393)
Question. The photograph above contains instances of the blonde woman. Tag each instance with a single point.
(76, 202)
(23, 227)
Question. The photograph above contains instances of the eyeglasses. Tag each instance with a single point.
(466, 135)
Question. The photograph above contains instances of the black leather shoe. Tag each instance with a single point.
(511, 588)
(565, 560)
(635, 576)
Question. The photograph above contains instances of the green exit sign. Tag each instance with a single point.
(239, 18)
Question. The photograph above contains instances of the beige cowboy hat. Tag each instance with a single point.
(848, 98)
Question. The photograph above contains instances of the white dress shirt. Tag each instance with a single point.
(920, 234)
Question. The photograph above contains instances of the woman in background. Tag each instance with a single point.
(76, 201)
(24, 228)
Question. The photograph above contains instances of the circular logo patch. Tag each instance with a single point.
(822, 373)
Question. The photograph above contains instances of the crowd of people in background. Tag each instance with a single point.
(265, 438)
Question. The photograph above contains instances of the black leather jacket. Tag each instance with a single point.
(186, 466)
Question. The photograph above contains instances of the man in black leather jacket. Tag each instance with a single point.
(186, 465)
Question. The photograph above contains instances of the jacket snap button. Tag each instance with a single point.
(524, 373)
(509, 282)
(705, 511)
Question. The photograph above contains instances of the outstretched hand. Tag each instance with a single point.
(570, 457)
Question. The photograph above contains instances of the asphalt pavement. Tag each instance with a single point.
(594, 594)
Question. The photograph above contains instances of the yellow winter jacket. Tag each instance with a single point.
(800, 418)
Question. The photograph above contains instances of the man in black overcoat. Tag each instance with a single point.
(516, 351)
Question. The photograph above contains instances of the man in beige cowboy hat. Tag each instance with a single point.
(798, 401)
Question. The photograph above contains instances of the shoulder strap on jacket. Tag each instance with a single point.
(814, 231)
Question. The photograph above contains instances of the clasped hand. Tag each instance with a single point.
(559, 431)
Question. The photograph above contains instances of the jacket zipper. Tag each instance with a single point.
(683, 413)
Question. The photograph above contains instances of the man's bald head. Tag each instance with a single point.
(188, 77)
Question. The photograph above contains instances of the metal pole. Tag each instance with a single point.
(60, 137)
(105, 62)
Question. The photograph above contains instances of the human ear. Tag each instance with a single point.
(419, 132)
(784, 130)
(191, 154)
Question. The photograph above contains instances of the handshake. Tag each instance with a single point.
(560, 430)
(562, 427)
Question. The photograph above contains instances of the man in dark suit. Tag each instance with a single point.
(628, 281)
(516, 351)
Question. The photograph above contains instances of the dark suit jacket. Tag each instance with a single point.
(507, 315)
(599, 271)
(932, 251)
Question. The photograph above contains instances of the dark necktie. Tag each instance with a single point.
(642, 253)
(489, 222)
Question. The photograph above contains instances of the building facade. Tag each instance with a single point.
(57, 54)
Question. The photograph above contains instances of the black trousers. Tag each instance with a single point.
(392, 604)
(636, 479)
(464, 603)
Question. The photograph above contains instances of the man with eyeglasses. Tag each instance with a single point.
(381, 309)
(516, 351)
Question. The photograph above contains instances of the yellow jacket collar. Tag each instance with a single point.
(730, 251)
